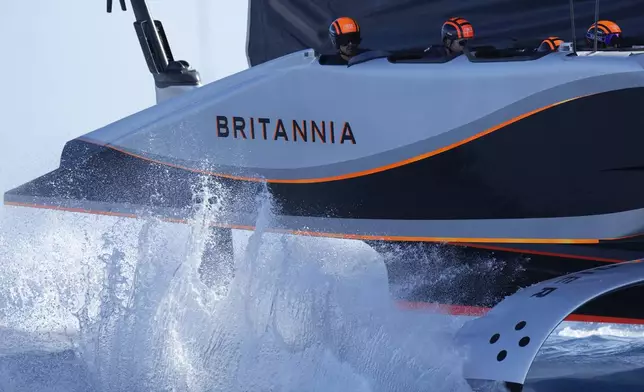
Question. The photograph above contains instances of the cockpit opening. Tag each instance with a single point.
(420, 56)
(524, 50)
(626, 44)
(492, 54)
(476, 54)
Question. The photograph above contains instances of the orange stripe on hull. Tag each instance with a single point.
(340, 235)
(475, 311)
(540, 253)
(348, 175)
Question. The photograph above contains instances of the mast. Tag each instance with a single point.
(572, 27)
(171, 77)
(596, 20)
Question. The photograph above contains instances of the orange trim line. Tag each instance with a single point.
(475, 311)
(349, 175)
(338, 235)
(537, 252)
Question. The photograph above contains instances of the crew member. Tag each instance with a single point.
(550, 44)
(609, 35)
(344, 34)
(455, 33)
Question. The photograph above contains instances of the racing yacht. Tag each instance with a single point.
(529, 160)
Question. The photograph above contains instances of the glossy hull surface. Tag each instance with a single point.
(556, 176)
(545, 173)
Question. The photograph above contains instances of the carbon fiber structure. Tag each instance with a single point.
(279, 27)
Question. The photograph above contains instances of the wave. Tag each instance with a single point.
(131, 313)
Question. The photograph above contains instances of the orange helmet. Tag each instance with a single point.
(550, 44)
(608, 34)
(344, 30)
(457, 29)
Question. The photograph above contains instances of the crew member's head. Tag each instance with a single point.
(609, 35)
(344, 34)
(550, 44)
(455, 33)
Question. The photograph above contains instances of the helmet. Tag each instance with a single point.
(344, 30)
(550, 44)
(457, 29)
(608, 34)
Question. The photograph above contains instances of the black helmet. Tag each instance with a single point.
(344, 30)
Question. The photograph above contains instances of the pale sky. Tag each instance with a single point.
(68, 67)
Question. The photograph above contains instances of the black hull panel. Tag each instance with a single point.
(560, 162)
